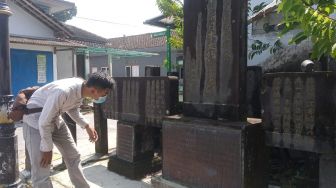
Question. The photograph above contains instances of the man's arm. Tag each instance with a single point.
(78, 117)
(81, 121)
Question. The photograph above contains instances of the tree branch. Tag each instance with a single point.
(320, 13)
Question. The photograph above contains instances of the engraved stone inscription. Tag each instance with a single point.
(210, 54)
(298, 106)
(276, 104)
(309, 108)
(226, 54)
(287, 108)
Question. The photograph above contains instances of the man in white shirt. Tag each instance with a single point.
(43, 129)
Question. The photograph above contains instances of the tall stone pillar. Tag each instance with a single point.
(9, 169)
(4, 49)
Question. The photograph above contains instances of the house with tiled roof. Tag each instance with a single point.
(40, 47)
(43, 49)
(138, 66)
(143, 41)
(85, 59)
(98, 55)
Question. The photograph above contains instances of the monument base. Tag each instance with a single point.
(323, 148)
(134, 170)
(209, 153)
(159, 182)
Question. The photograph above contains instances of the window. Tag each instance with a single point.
(132, 71)
(152, 71)
(94, 69)
(105, 69)
(267, 24)
(128, 71)
(179, 67)
(135, 71)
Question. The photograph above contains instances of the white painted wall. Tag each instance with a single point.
(265, 37)
(271, 38)
(74, 64)
(64, 64)
(23, 24)
(87, 65)
(55, 68)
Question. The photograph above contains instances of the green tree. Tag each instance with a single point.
(313, 19)
(174, 9)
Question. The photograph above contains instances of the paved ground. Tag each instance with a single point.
(95, 167)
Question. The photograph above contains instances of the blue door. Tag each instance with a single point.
(30, 68)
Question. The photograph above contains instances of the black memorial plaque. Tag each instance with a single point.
(142, 100)
(300, 103)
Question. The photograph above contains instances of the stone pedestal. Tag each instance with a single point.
(135, 151)
(100, 124)
(208, 153)
(134, 170)
(139, 104)
(327, 166)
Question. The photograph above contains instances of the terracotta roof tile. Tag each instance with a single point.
(85, 36)
(136, 42)
(45, 42)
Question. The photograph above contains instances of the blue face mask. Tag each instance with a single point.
(100, 100)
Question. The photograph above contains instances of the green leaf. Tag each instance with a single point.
(298, 38)
(257, 47)
(333, 51)
(280, 7)
(288, 27)
(331, 32)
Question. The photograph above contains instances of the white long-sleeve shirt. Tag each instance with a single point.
(56, 98)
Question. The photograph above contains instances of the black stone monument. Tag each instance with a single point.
(212, 144)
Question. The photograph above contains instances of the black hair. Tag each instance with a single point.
(100, 80)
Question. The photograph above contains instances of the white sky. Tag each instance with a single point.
(130, 14)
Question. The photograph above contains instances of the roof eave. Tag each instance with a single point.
(45, 42)
(264, 12)
(156, 22)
